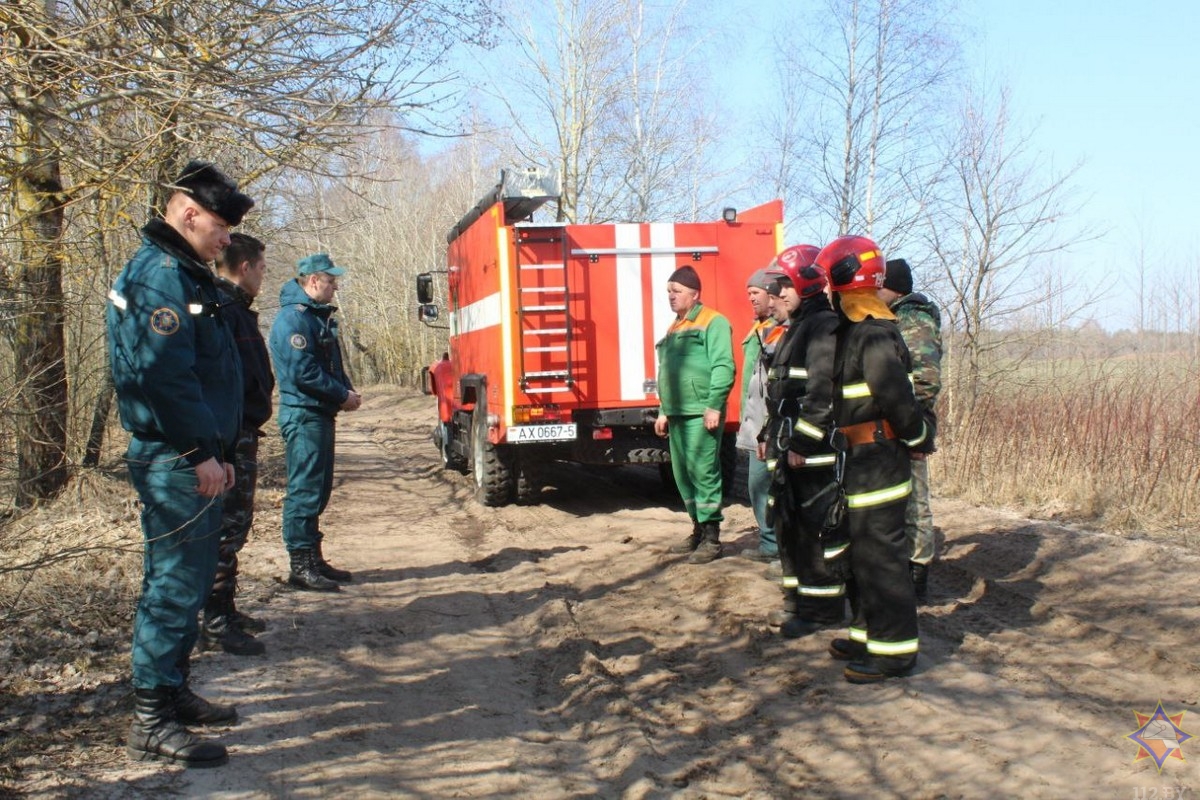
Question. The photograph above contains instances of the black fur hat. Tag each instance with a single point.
(214, 190)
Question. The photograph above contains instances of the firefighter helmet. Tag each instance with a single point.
(796, 264)
(852, 262)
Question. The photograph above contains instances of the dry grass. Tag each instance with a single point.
(1120, 450)
(70, 574)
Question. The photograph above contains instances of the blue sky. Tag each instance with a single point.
(1117, 86)
(1111, 86)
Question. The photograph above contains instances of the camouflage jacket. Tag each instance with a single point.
(920, 324)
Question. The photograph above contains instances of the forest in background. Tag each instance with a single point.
(367, 130)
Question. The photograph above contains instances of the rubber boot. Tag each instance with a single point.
(305, 573)
(689, 544)
(329, 571)
(218, 630)
(920, 579)
(156, 734)
(779, 616)
(709, 548)
(192, 709)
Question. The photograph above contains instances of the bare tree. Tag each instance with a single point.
(611, 93)
(110, 97)
(859, 100)
(996, 242)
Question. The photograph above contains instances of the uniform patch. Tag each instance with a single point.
(164, 321)
(298, 341)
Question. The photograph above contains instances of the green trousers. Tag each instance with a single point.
(308, 438)
(182, 533)
(696, 465)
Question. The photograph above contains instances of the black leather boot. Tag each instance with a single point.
(690, 543)
(223, 633)
(219, 629)
(709, 548)
(156, 734)
(192, 709)
(329, 571)
(306, 574)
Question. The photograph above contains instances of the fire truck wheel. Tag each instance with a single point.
(491, 470)
(527, 485)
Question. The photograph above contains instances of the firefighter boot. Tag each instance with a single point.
(920, 579)
(847, 650)
(191, 709)
(219, 630)
(305, 573)
(157, 735)
(689, 544)
(329, 571)
(873, 669)
(779, 616)
(709, 548)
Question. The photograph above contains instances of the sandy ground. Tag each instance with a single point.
(558, 651)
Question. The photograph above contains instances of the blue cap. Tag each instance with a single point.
(318, 262)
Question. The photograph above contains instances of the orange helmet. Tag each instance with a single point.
(796, 264)
(852, 262)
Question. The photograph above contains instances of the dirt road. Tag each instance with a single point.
(559, 651)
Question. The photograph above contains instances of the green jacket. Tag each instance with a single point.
(306, 353)
(695, 363)
(176, 368)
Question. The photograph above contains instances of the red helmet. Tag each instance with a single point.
(852, 262)
(796, 264)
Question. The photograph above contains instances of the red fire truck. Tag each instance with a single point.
(553, 329)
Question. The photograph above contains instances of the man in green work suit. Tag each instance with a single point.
(695, 376)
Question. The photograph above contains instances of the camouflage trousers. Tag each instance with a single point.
(918, 517)
(238, 514)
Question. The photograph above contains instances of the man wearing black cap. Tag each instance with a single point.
(313, 388)
(695, 376)
(920, 324)
(178, 379)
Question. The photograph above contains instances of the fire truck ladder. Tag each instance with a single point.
(544, 316)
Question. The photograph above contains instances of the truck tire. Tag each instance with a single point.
(491, 470)
(527, 484)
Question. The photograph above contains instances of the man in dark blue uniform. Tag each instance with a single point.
(313, 387)
(241, 268)
(178, 380)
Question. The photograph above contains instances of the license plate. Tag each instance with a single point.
(542, 433)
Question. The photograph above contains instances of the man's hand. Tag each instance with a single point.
(660, 426)
(762, 451)
(352, 402)
(212, 478)
(712, 419)
(795, 460)
(230, 476)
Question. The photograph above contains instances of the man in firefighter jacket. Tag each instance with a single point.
(178, 380)
(695, 376)
(920, 324)
(797, 448)
(878, 420)
(757, 347)
(313, 388)
(241, 268)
